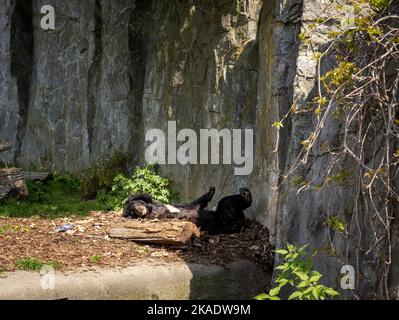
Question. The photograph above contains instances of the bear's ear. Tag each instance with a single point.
(246, 194)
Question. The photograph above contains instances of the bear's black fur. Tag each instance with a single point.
(203, 201)
(228, 218)
(229, 213)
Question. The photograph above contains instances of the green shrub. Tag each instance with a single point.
(297, 272)
(99, 177)
(144, 180)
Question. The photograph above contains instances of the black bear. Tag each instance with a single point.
(228, 218)
(229, 213)
(202, 201)
(143, 206)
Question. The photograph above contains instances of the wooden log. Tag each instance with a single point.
(36, 176)
(5, 145)
(170, 232)
(12, 182)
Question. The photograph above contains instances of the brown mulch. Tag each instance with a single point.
(88, 245)
(251, 244)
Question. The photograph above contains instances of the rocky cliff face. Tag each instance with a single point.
(111, 70)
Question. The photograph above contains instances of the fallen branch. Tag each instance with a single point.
(175, 233)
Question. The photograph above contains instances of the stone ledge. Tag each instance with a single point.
(237, 280)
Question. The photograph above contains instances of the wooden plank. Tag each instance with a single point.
(36, 176)
(5, 145)
(12, 182)
(171, 232)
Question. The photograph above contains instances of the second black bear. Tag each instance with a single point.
(229, 213)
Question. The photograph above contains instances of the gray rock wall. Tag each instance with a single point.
(114, 69)
(111, 70)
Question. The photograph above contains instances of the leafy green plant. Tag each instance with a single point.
(340, 75)
(297, 272)
(336, 224)
(144, 180)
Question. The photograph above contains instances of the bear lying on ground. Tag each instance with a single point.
(228, 217)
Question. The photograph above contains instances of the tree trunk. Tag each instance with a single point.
(4, 146)
(175, 233)
(12, 182)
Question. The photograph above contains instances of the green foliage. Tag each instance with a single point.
(340, 75)
(336, 224)
(32, 264)
(238, 6)
(306, 144)
(64, 193)
(304, 37)
(144, 180)
(13, 229)
(298, 181)
(95, 258)
(5, 165)
(341, 178)
(278, 125)
(297, 272)
(99, 177)
(379, 4)
(60, 196)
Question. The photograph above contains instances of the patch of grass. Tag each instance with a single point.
(59, 197)
(95, 258)
(32, 264)
(60, 205)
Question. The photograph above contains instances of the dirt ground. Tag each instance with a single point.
(88, 245)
